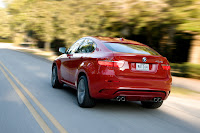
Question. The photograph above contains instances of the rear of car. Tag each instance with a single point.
(114, 68)
(138, 73)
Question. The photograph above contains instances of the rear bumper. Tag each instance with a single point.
(132, 89)
(132, 94)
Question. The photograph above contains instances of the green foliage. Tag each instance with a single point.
(5, 31)
(152, 22)
(186, 70)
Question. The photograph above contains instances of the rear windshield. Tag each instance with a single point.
(130, 48)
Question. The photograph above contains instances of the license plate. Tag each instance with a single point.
(142, 66)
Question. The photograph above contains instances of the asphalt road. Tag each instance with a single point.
(29, 104)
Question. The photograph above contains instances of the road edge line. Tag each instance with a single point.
(42, 108)
(30, 107)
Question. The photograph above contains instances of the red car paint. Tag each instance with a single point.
(111, 74)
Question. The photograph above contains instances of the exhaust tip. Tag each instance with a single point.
(160, 100)
(118, 98)
(157, 99)
(121, 98)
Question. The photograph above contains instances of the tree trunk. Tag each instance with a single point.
(194, 54)
(47, 46)
(171, 34)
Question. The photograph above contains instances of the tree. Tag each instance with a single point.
(154, 23)
(4, 24)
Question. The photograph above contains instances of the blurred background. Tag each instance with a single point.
(171, 27)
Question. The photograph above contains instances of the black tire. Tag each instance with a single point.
(54, 78)
(83, 96)
(151, 105)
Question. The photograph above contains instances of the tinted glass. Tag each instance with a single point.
(88, 46)
(130, 48)
(75, 46)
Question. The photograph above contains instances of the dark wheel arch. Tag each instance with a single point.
(78, 77)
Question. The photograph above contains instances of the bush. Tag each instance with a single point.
(188, 70)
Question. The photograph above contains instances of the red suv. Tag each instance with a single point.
(113, 68)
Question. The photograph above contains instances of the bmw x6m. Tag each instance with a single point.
(113, 68)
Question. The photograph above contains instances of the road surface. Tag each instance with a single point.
(28, 104)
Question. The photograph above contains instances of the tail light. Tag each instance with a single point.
(111, 63)
(166, 66)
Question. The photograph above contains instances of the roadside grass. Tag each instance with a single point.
(187, 70)
(48, 57)
(30, 52)
(176, 91)
(5, 41)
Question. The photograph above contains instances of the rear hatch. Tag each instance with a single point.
(135, 67)
(138, 61)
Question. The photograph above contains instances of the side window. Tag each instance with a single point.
(88, 46)
(75, 46)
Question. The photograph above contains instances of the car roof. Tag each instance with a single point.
(116, 40)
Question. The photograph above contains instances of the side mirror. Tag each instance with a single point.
(62, 50)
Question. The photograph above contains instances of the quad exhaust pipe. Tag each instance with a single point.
(157, 99)
(121, 98)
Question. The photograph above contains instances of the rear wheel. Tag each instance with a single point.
(83, 96)
(54, 78)
(151, 104)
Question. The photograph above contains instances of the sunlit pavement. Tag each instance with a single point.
(178, 115)
(191, 84)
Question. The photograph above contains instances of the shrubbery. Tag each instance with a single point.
(188, 70)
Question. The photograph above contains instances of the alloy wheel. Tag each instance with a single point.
(81, 91)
